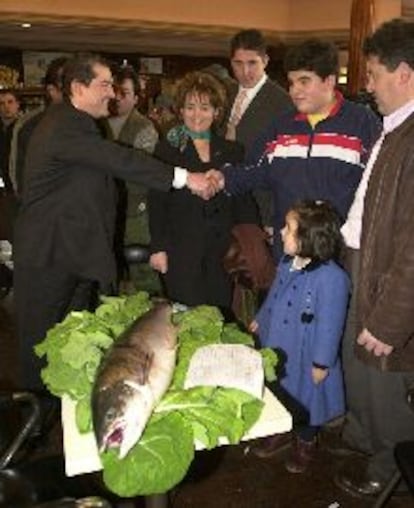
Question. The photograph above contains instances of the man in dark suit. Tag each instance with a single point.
(254, 102)
(64, 233)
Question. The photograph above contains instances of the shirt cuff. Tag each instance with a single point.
(180, 178)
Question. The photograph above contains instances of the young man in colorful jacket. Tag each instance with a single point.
(317, 152)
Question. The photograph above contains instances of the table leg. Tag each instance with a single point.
(156, 501)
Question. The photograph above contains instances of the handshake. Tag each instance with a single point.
(205, 185)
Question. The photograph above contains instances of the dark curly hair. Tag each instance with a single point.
(392, 43)
(319, 234)
(314, 55)
(250, 39)
(81, 68)
(201, 84)
(121, 74)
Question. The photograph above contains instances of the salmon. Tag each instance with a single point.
(133, 376)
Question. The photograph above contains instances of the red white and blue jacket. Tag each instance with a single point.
(302, 162)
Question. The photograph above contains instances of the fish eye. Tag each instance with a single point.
(111, 414)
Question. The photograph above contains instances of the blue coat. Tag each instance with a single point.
(303, 316)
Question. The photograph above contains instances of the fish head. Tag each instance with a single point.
(120, 414)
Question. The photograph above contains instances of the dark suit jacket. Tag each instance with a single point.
(196, 233)
(67, 214)
(270, 101)
(23, 137)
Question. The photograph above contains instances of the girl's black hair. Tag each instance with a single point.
(319, 234)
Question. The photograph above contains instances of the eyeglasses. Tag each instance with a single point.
(104, 85)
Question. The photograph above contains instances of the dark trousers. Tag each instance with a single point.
(378, 414)
(300, 415)
(43, 296)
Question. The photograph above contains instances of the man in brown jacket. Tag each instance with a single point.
(379, 355)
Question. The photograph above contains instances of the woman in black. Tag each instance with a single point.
(189, 236)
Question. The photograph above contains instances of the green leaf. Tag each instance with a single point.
(197, 327)
(74, 347)
(156, 464)
(214, 412)
(270, 361)
(233, 335)
(84, 415)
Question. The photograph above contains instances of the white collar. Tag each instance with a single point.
(251, 92)
(397, 117)
(299, 263)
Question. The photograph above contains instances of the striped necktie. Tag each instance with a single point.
(237, 113)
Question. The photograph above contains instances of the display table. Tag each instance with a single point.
(81, 454)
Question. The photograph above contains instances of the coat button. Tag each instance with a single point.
(142, 207)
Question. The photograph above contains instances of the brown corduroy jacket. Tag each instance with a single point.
(386, 277)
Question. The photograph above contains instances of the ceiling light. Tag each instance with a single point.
(26, 25)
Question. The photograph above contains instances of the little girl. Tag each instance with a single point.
(303, 317)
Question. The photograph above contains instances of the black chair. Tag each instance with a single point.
(136, 253)
(40, 482)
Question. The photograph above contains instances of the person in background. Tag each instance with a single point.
(189, 236)
(303, 318)
(129, 127)
(378, 349)
(26, 124)
(222, 74)
(163, 114)
(254, 101)
(317, 152)
(9, 113)
(63, 243)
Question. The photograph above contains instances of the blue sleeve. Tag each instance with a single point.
(254, 173)
(244, 177)
(330, 313)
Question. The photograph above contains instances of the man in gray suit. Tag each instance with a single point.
(254, 102)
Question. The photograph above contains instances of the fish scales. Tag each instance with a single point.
(133, 376)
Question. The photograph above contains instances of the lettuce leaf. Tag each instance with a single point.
(165, 451)
(159, 462)
(233, 335)
(270, 361)
(74, 347)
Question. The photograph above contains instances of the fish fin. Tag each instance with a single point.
(146, 366)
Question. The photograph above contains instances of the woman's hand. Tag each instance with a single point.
(319, 374)
(253, 326)
(159, 261)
